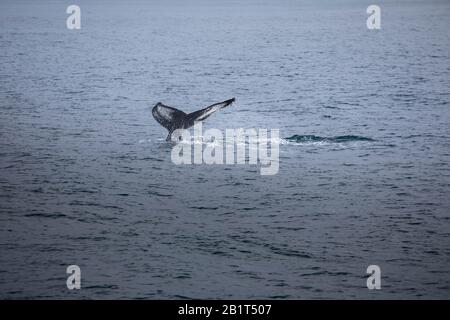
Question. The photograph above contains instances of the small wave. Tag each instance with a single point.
(337, 139)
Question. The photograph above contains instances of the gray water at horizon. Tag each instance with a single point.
(86, 178)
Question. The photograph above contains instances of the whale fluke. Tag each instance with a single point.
(172, 118)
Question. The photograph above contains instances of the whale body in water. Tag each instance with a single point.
(173, 119)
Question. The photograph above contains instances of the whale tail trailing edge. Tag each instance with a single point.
(172, 118)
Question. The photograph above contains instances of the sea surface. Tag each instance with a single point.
(86, 176)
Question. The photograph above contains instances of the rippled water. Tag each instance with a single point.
(86, 176)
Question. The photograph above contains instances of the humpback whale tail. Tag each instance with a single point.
(172, 118)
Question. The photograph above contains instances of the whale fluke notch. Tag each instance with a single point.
(173, 119)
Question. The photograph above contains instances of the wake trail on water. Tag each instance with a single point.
(337, 139)
(292, 140)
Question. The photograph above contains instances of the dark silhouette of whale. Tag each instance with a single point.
(173, 119)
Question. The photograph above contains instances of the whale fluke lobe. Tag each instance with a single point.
(206, 112)
(170, 118)
(173, 119)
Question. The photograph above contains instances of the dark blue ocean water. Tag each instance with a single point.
(86, 177)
